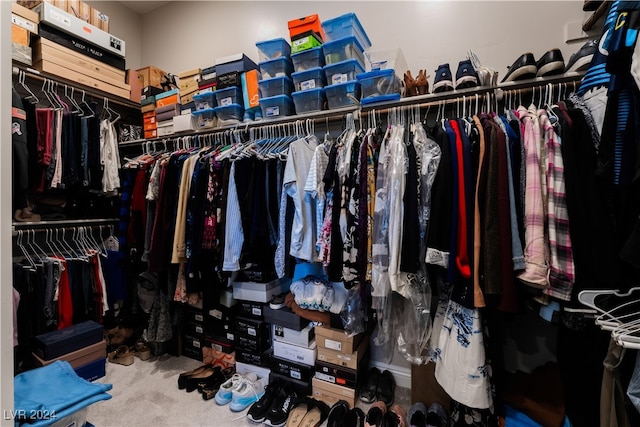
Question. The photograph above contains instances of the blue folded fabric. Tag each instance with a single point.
(54, 389)
(515, 418)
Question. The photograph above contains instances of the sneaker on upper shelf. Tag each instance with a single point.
(581, 60)
(551, 63)
(466, 75)
(443, 81)
(523, 68)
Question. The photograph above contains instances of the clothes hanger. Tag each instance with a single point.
(87, 107)
(32, 98)
(23, 249)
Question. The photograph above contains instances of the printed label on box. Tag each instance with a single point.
(231, 337)
(296, 375)
(199, 317)
(252, 332)
(298, 42)
(21, 22)
(196, 343)
(216, 313)
(380, 65)
(64, 20)
(226, 101)
(308, 84)
(279, 331)
(199, 329)
(216, 347)
(325, 377)
(339, 78)
(273, 111)
(333, 345)
(255, 311)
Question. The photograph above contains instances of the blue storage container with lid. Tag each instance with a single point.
(272, 49)
(343, 26)
(202, 101)
(232, 113)
(343, 49)
(205, 118)
(275, 68)
(309, 100)
(344, 71)
(228, 96)
(307, 59)
(277, 106)
(309, 79)
(379, 86)
(276, 86)
(343, 94)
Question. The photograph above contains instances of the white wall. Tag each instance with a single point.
(187, 34)
(126, 25)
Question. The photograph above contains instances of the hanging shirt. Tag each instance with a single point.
(315, 186)
(234, 235)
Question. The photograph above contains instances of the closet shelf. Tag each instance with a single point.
(15, 226)
(40, 76)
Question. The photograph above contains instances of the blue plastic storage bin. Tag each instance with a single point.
(310, 100)
(275, 86)
(203, 101)
(229, 113)
(308, 59)
(272, 49)
(343, 26)
(309, 79)
(228, 96)
(205, 118)
(277, 106)
(379, 86)
(344, 71)
(343, 49)
(276, 68)
(343, 94)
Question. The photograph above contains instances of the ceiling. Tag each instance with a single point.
(143, 7)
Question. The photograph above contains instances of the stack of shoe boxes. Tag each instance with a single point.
(82, 345)
(167, 106)
(344, 59)
(219, 345)
(193, 333)
(253, 338)
(24, 23)
(341, 365)
(150, 78)
(275, 85)
(188, 84)
(294, 348)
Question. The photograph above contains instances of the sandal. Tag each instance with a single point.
(316, 415)
(122, 355)
(142, 350)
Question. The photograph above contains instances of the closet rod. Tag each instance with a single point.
(41, 77)
(63, 223)
(106, 227)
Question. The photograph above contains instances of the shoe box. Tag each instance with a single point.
(252, 358)
(63, 341)
(290, 369)
(252, 334)
(216, 357)
(219, 321)
(192, 346)
(251, 309)
(77, 358)
(294, 353)
(340, 375)
(284, 317)
(93, 370)
(245, 368)
(330, 393)
(302, 388)
(350, 361)
(336, 339)
(301, 338)
(258, 292)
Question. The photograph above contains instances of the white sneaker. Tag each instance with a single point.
(224, 394)
(249, 390)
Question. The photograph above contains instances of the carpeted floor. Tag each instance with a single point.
(146, 394)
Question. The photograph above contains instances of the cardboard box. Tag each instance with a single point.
(425, 388)
(79, 9)
(70, 74)
(304, 355)
(340, 375)
(195, 73)
(218, 358)
(292, 369)
(335, 339)
(133, 79)
(99, 20)
(149, 126)
(165, 129)
(148, 108)
(19, 35)
(151, 76)
(331, 393)
(149, 114)
(188, 85)
(188, 98)
(150, 134)
(150, 120)
(77, 358)
(351, 361)
(305, 24)
(250, 89)
(302, 338)
(167, 116)
(26, 13)
(29, 4)
(63, 341)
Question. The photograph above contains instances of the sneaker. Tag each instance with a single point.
(443, 81)
(581, 60)
(466, 76)
(225, 392)
(386, 389)
(437, 416)
(249, 390)
(523, 68)
(260, 408)
(551, 63)
(417, 416)
(277, 301)
(279, 411)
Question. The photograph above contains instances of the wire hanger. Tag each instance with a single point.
(32, 98)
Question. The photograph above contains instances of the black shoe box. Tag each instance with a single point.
(194, 328)
(253, 358)
(251, 328)
(192, 346)
(257, 345)
(220, 320)
(148, 91)
(284, 317)
(229, 80)
(223, 338)
(194, 314)
(251, 309)
(302, 388)
(222, 345)
(51, 345)
(340, 375)
(297, 371)
(192, 353)
(257, 276)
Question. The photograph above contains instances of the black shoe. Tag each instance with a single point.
(551, 63)
(259, 409)
(386, 388)
(523, 68)
(390, 420)
(369, 388)
(354, 418)
(375, 415)
(466, 75)
(207, 379)
(443, 81)
(277, 414)
(581, 60)
(337, 413)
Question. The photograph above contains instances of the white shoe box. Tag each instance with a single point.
(305, 355)
(245, 368)
(301, 338)
(257, 292)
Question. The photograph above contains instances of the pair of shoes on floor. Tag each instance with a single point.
(308, 412)
(240, 391)
(121, 355)
(341, 416)
(466, 77)
(379, 386)
(206, 379)
(416, 86)
(526, 66)
(381, 416)
(274, 406)
(434, 416)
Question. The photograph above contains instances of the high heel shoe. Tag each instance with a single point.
(410, 88)
(183, 377)
(422, 82)
(204, 379)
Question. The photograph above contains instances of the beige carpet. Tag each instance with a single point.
(146, 394)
